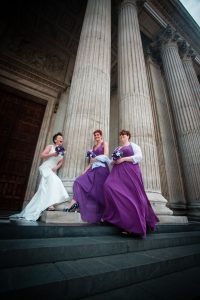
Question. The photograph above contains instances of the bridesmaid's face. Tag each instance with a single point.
(123, 138)
(97, 137)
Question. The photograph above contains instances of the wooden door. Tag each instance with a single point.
(20, 122)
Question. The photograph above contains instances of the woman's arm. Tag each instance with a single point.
(87, 168)
(136, 158)
(46, 153)
(106, 150)
(123, 159)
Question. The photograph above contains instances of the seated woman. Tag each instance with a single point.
(126, 203)
(88, 188)
(51, 189)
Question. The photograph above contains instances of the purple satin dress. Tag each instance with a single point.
(88, 191)
(126, 203)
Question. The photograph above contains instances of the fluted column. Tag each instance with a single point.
(186, 118)
(191, 76)
(169, 163)
(135, 113)
(89, 99)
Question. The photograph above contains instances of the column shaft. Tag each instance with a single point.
(171, 180)
(89, 99)
(135, 111)
(192, 79)
(186, 120)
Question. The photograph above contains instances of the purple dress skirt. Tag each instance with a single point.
(126, 203)
(88, 191)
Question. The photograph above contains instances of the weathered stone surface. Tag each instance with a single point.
(135, 113)
(61, 217)
(89, 99)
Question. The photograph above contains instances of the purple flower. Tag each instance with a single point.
(117, 154)
(90, 154)
(60, 150)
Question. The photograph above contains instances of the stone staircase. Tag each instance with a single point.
(80, 261)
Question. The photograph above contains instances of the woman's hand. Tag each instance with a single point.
(55, 154)
(124, 159)
(54, 169)
(92, 160)
(46, 153)
(120, 160)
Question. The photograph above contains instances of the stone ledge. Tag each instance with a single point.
(166, 219)
(61, 217)
(75, 217)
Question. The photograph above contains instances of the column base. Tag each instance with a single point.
(164, 214)
(178, 209)
(193, 211)
(172, 219)
(68, 184)
(158, 203)
(61, 217)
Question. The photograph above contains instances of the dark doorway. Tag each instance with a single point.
(20, 122)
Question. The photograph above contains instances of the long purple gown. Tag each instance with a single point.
(88, 191)
(126, 203)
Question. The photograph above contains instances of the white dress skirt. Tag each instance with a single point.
(50, 191)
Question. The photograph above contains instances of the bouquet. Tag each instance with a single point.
(90, 154)
(60, 150)
(117, 154)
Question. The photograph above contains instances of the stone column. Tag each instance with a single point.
(191, 74)
(135, 113)
(186, 118)
(89, 99)
(169, 164)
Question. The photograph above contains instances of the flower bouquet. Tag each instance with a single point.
(60, 150)
(117, 154)
(90, 154)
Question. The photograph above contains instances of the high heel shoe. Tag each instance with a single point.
(73, 208)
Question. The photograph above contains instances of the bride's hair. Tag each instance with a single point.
(55, 136)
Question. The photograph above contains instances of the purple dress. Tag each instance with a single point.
(88, 191)
(126, 203)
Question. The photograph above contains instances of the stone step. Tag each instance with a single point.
(21, 252)
(61, 217)
(81, 278)
(65, 218)
(182, 285)
(22, 229)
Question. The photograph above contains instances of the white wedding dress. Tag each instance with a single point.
(51, 191)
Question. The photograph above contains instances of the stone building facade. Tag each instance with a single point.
(76, 66)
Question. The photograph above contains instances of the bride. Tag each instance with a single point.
(51, 189)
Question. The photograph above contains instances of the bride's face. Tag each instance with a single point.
(59, 140)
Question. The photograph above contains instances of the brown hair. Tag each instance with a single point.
(55, 136)
(125, 132)
(98, 131)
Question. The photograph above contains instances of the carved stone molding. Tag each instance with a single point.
(24, 71)
(153, 54)
(47, 60)
(186, 51)
(168, 35)
(178, 17)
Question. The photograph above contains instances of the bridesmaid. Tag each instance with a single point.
(126, 203)
(88, 188)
